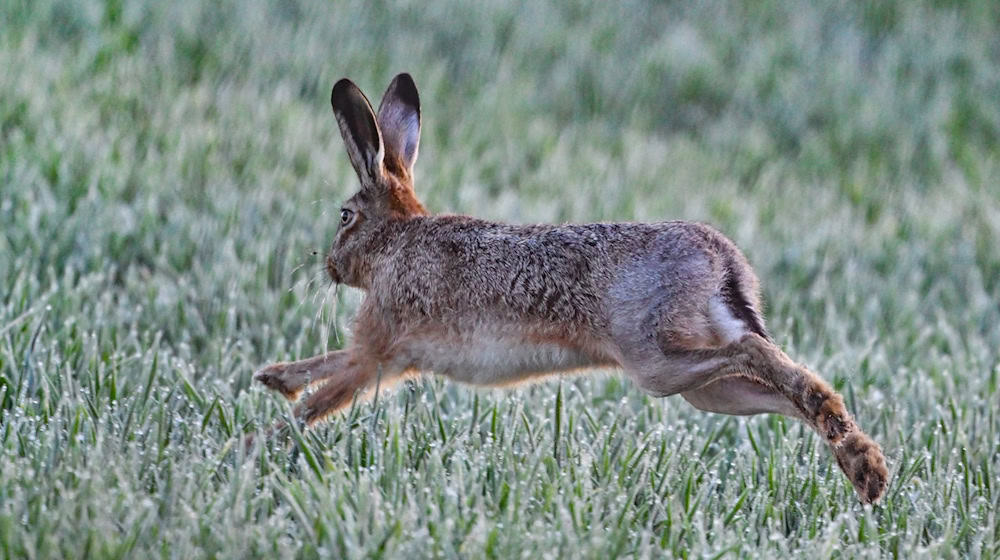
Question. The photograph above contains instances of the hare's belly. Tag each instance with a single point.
(497, 360)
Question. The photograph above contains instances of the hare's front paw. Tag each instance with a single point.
(277, 377)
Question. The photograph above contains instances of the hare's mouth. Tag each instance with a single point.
(331, 269)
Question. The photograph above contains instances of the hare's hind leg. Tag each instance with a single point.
(740, 395)
(290, 378)
(700, 353)
(816, 402)
(708, 378)
(823, 409)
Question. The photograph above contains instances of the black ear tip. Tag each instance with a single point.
(406, 89)
(341, 89)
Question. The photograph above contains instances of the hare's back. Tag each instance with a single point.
(566, 273)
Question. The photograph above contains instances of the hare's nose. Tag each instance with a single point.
(331, 269)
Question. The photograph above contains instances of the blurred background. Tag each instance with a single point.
(170, 174)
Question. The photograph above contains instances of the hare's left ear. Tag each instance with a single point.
(360, 132)
(399, 120)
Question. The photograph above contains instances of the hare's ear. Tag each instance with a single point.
(399, 120)
(360, 131)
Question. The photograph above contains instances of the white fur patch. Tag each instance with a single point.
(724, 322)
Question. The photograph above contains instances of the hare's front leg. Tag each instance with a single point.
(343, 374)
(290, 378)
(356, 378)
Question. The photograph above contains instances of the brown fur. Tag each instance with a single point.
(674, 304)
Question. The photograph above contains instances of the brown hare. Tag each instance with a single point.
(673, 304)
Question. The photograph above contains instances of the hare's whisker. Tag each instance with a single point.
(335, 288)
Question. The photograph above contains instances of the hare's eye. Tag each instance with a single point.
(346, 216)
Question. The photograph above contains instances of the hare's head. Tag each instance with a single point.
(382, 148)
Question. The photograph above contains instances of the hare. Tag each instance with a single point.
(673, 304)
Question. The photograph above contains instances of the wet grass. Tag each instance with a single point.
(167, 171)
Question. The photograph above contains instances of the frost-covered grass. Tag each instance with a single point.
(168, 168)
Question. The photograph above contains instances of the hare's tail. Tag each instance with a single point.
(738, 292)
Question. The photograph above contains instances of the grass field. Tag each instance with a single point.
(169, 169)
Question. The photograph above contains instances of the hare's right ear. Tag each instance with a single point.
(399, 121)
(360, 131)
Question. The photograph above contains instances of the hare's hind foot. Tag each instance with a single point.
(862, 461)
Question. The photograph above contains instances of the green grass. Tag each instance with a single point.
(167, 170)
